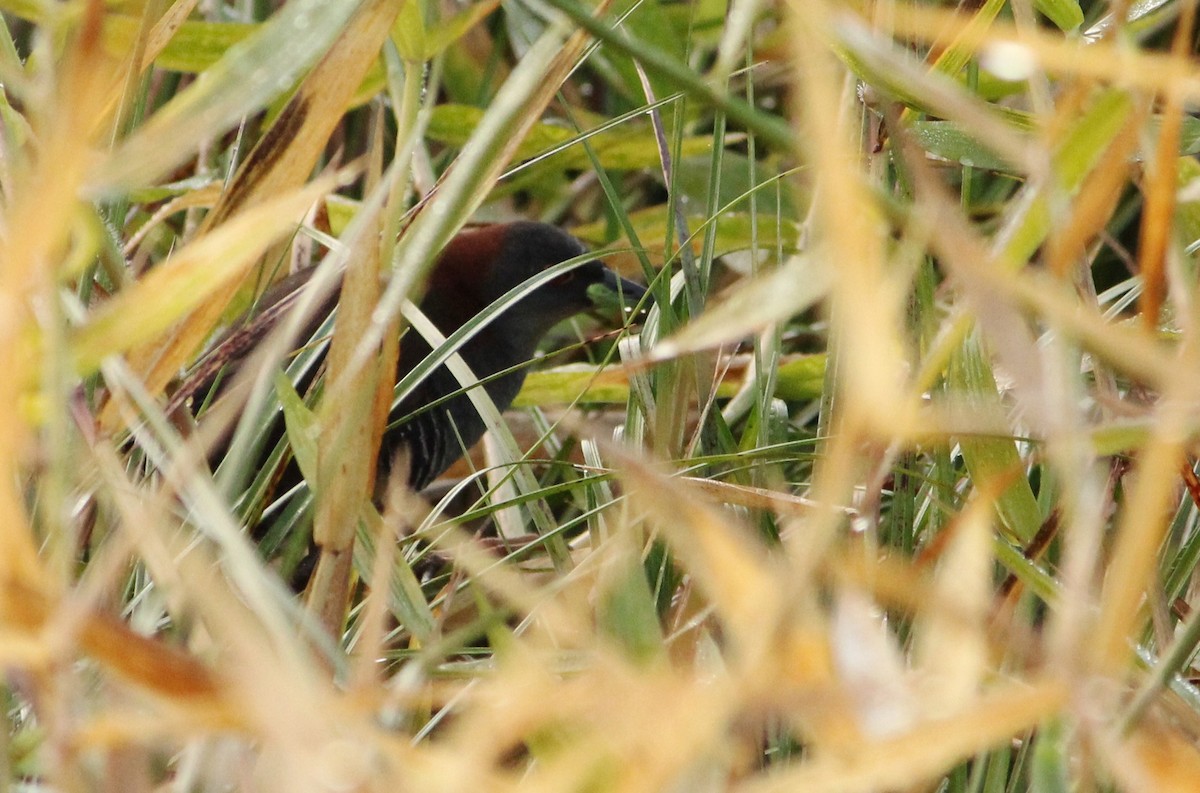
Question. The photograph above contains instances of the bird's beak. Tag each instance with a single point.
(620, 295)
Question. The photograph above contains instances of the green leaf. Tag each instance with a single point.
(408, 33)
(947, 141)
(959, 53)
(894, 71)
(168, 190)
(628, 149)
(628, 613)
(453, 125)
(1079, 151)
(1187, 213)
(1066, 14)
(801, 378)
(994, 459)
(773, 192)
(736, 231)
(1189, 135)
(301, 426)
(770, 127)
(646, 20)
(1049, 771)
(407, 600)
(454, 28)
(564, 385)
(195, 47)
(1120, 437)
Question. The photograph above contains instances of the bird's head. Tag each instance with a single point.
(486, 263)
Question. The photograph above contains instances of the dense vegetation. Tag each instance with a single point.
(894, 487)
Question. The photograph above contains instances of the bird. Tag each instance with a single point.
(436, 420)
(477, 268)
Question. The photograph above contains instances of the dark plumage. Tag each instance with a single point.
(477, 268)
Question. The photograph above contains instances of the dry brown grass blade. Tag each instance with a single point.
(988, 286)
(150, 665)
(1156, 759)
(781, 293)
(353, 417)
(204, 197)
(266, 668)
(951, 632)
(741, 581)
(283, 159)
(140, 313)
(165, 29)
(866, 300)
(891, 582)
(1160, 183)
(38, 219)
(1107, 60)
(926, 751)
(755, 497)
(1149, 504)
(851, 233)
(1066, 247)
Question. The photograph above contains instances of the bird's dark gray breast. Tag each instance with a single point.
(437, 436)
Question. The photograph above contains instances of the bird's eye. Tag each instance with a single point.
(565, 278)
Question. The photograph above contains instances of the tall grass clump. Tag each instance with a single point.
(893, 487)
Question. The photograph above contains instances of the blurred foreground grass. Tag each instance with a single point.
(903, 492)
